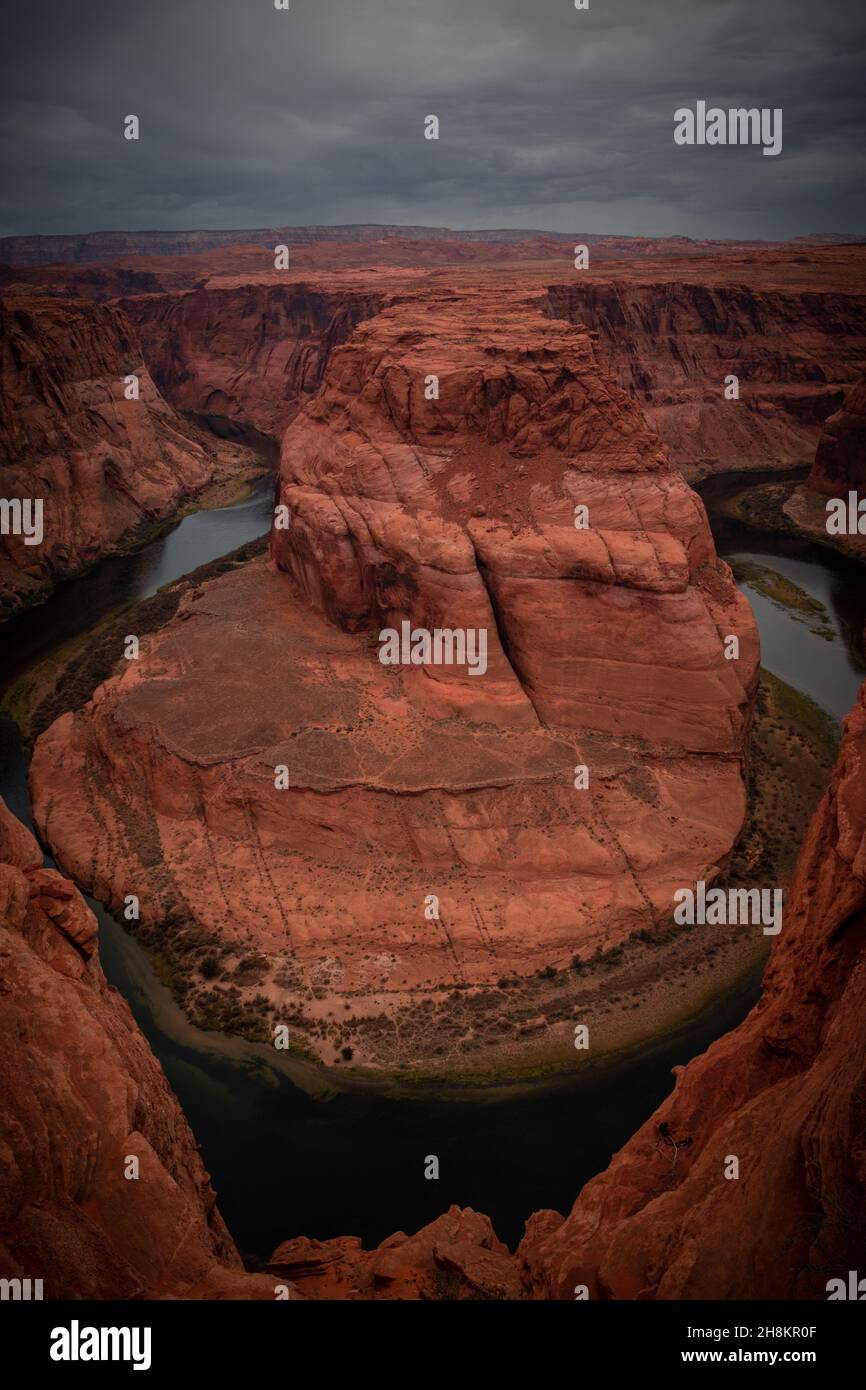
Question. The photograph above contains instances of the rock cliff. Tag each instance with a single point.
(840, 459)
(673, 342)
(82, 1101)
(245, 354)
(103, 466)
(430, 834)
(768, 1201)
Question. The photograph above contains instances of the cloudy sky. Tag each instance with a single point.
(549, 117)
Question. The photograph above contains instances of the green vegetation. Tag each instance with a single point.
(785, 594)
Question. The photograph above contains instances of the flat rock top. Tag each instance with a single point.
(248, 671)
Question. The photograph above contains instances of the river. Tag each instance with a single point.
(291, 1151)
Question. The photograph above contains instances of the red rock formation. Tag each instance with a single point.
(672, 342)
(103, 465)
(245, 353)
(785, 1093)
(81, 1093)
(840, 460)
(605, 648)
(458, 1256)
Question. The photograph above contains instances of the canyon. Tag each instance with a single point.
(105, 466)
(606, 649)
(84, 1096)
(451, 507)
(790, 327)
(783, 1093)
(219, 339)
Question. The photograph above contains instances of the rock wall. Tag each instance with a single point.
(81, 1095)
(605, 649)
(247, 353)
(671, 343)
(840, 459)
(103, 466)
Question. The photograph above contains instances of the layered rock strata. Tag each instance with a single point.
(768, 1199)
(103, 461)
(245, 354)
(83, 1104)
(675, 343)
(379, 835)
(840, 459)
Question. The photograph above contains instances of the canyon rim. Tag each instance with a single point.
(433, 675)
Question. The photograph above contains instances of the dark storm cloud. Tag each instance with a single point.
(550, 117)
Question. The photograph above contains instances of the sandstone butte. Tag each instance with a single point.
(606, 650)
(105, 467)
(783, 1092)
(226, 337)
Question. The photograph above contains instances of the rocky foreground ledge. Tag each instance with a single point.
(81, 1096)
(348, 843)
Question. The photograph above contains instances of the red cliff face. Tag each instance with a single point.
(784, 1094)
(431, 835)
(81, 1096)
(672, 342)
(783, 1097)
(840, 460)
(245, 353)
(453, 508)
(102, 465)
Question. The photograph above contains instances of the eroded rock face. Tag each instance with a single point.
(785, 1094)
(840, 459)
(245, 354)
(103, 466)
(80, 1095)
(458, 1256)
(673, 342)
(410, 786)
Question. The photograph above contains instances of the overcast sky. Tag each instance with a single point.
(549, 117)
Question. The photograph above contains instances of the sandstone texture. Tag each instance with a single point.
(840, 459)
(104, 467)
(80, 1094)
(245, 353)
(672, 342)
(784, 1094)
(606, 649)
(458, 1257)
